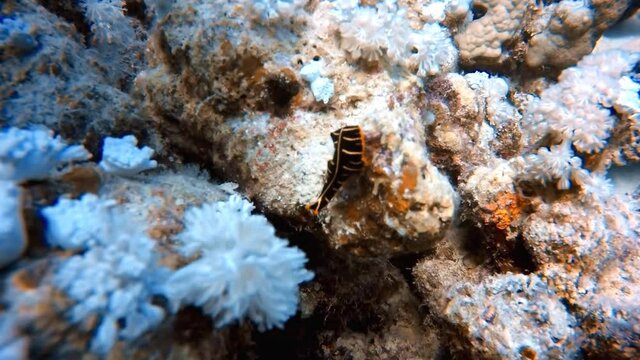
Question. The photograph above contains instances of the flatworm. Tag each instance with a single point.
(348, 159)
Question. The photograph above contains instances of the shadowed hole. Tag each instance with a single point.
(478, 11)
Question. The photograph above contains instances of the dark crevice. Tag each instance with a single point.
(629, 12)
(445, 353)
(195, 329)
(349, 294)
(405, 264)
(472, 243)
(522, 257)
(478, 11)
(71, 12)
(297, 340)
(571, 309)
(136, 9)
(279, 92)
(35, 226)
(191, 325)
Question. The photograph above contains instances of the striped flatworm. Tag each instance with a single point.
(347, 159)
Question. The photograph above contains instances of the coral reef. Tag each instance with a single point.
(487, 312)
(129, 257)
(158, 159)
(400, 185)
(494, 29)
(113, 282)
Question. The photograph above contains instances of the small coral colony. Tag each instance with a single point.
(380, 179)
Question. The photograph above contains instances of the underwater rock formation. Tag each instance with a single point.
(505, 34)
(60, 84)
(241, 104)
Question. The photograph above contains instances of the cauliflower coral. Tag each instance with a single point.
(121, 156)
(68, 225)
(114, 280)
(244, 269)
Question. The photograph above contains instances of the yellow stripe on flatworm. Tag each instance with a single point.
(348, 168)
(344, 151)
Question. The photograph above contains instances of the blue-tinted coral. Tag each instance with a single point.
(244, 269)
(12, 237)
(108, 22)
(114, 280)
(68, 225)
(12, 346)
(122, 157)
(34, 154)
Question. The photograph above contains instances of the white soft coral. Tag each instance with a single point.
(577, 113)
(114, 279)
(556, 165)
(108, 22)
(364, 35)
(577, 108)
(383, 32)
(243, 269)
(268, 11)
(12, 345)
(431, 50)
(121, 156)
(12, 236)
(34, 154)
(68, 225)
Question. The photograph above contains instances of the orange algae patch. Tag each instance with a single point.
(82, 179)
(353, 212)
(409, 178)
(409, 181)
(165, 220)
(528, 354)
(343, 240)
(505, 209)
(29, 278)
(24, 280)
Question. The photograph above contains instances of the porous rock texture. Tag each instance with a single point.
(590, 255)
(498, 305)
(230, 94)
(539, 272)
(60, 84)
(506, 34)
(578, 299)
(387, 323)
(496, 28)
